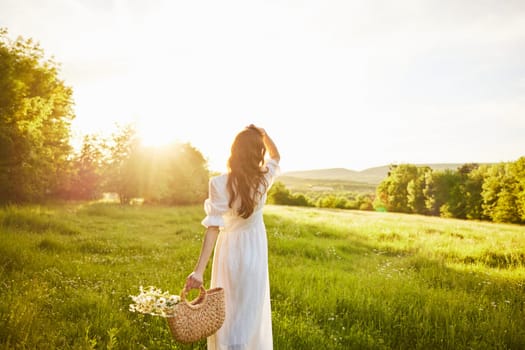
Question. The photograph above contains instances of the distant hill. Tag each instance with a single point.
(369, 176)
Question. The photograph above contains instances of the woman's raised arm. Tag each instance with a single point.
(270, 145)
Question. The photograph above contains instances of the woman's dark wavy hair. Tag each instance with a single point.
(246, 175)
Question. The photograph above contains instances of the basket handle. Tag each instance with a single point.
(196, 303)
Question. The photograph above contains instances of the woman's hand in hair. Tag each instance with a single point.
(268, 142)
(270, 145)
(261, 130)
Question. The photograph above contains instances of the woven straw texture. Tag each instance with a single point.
(198, 319)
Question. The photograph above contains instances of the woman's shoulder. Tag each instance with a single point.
(219, 180)
(218, 187)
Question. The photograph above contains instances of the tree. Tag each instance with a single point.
(473, 185)
(174, 174)
(518, 170)
(300, 200)
(279, 194)
(332, 201)
(416, 191)
(500, 194)
(392, 192)
(438, 187)
(124, 168)
(187, 175)
(35, 117)
(464, 193)
(88, 169)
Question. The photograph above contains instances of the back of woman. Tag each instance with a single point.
(235, 225)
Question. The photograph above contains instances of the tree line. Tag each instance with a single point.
(480, 192)
(494, 192)
(37, 161)
(172, 174)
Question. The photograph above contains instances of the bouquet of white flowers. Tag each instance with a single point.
(154, 301)
(189, 321)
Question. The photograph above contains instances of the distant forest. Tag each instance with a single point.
(480, 192)
(494, 192)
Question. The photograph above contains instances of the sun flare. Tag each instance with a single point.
(155, 135)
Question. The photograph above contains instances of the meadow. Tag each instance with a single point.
(339, 279)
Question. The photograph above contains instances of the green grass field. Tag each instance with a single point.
(339, 279)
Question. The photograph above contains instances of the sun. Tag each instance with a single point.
(155, 134)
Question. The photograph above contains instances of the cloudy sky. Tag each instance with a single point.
(351, 84)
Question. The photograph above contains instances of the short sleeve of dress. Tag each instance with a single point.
(273, 171)
(215, 206)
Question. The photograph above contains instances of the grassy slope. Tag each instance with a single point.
(339, 279)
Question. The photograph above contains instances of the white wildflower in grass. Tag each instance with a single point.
(153, 301)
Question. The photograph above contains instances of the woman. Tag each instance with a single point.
(235, 226)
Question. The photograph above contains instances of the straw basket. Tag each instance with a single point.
(198, 319)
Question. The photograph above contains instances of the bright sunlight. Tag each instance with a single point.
(155, 134)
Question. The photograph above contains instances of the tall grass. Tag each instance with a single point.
(339, 279)
(381, 281)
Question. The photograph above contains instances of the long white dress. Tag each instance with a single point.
(240, 266)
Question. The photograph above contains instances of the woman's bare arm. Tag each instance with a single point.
(195, 279)
(270, 145)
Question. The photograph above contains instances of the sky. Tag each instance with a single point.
(336, 84)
